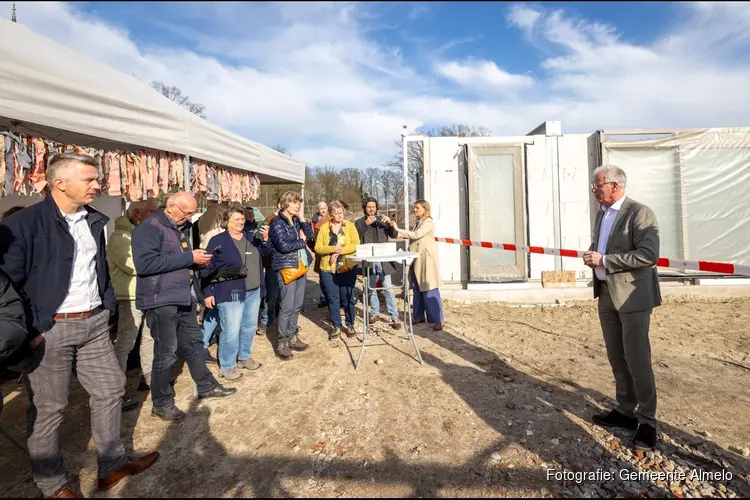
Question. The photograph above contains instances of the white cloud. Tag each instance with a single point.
(482, 75)
(522, 16)
(311, 77)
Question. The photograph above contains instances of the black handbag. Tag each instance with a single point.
(228, 273)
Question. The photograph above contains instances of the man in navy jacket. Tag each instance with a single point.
(56, 258)
(167, 288)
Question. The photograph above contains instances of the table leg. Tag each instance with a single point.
(365, 310)
(407, 313)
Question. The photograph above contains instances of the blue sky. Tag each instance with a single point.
(334, 82)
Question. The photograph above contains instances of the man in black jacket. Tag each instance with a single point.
(167, 288)
(374, 228)
(12, 320)
(56, 259)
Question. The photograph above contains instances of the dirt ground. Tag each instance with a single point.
(504, 394)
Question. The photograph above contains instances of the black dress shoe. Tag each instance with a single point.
(218, 391)
(129, 403)
(645, 438)
(615, 419)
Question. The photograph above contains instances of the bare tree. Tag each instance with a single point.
(416, 149)
(329, 181)
(174, 93)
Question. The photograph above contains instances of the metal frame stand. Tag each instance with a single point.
(408, 325)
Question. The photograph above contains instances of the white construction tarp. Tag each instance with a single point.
(51, 90)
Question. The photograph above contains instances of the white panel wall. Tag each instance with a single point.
(575, 200)
(443, 194)
(108, 205)
(539, 157)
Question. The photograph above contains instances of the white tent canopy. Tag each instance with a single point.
(51, 90)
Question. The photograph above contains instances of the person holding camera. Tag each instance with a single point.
(337, 240)
(233, 283)
(374, 228)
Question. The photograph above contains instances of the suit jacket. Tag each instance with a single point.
(631, 256)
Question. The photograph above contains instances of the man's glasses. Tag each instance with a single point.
(595, 185)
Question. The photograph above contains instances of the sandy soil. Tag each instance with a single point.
(503, 395)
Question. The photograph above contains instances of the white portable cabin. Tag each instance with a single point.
(536, 190)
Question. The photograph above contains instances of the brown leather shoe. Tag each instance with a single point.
(131, 468)
(64, 492)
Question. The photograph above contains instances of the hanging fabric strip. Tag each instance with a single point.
(38, 177)
(132, 191)
(2, 166)
(225, 189)
(113, 166)
(10, 164)
(164, 172)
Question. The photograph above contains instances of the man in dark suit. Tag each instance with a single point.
(623, 255)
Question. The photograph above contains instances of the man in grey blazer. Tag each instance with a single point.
(623, 255)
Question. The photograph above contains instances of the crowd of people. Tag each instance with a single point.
(176, 285)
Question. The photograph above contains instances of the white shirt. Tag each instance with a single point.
(83, 293)
(608, 219)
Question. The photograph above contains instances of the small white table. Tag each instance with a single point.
(405, 258)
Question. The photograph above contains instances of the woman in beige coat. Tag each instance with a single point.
(425, 271)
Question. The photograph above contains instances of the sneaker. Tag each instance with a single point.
(322, 304)
(261, 330)
(374, 318)
(169, 413)
(282, 349)
(645, 438)
(437, 327)
(349, 331)
(335, 333)
(229, 373)
(615, 419)
(396, 324)
(249, 364)
(418, 321)
(211, 359)
(296, 344)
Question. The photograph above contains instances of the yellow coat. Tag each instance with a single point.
(322, 248)
(426, 266)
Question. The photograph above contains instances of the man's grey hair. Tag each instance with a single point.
(612, 173)
(60, 163)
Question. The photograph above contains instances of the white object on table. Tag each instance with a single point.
(405, 258)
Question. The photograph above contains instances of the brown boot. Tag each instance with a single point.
(64, 492)
(131, 468)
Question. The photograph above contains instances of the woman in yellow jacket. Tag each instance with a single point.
(337, 240)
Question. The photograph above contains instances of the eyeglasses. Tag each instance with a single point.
(186, 214)
(595, 185)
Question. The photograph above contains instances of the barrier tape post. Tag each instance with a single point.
(693, 265)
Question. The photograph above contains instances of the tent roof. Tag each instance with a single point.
(51, 90)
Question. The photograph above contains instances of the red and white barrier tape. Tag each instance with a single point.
(694, 265)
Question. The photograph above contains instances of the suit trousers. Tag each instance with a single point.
(88, 342)
(629, 353)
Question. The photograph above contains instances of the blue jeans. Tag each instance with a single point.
(340, 288)
(210, 322)
(376, 273)
(268, 312)
(239, 319)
